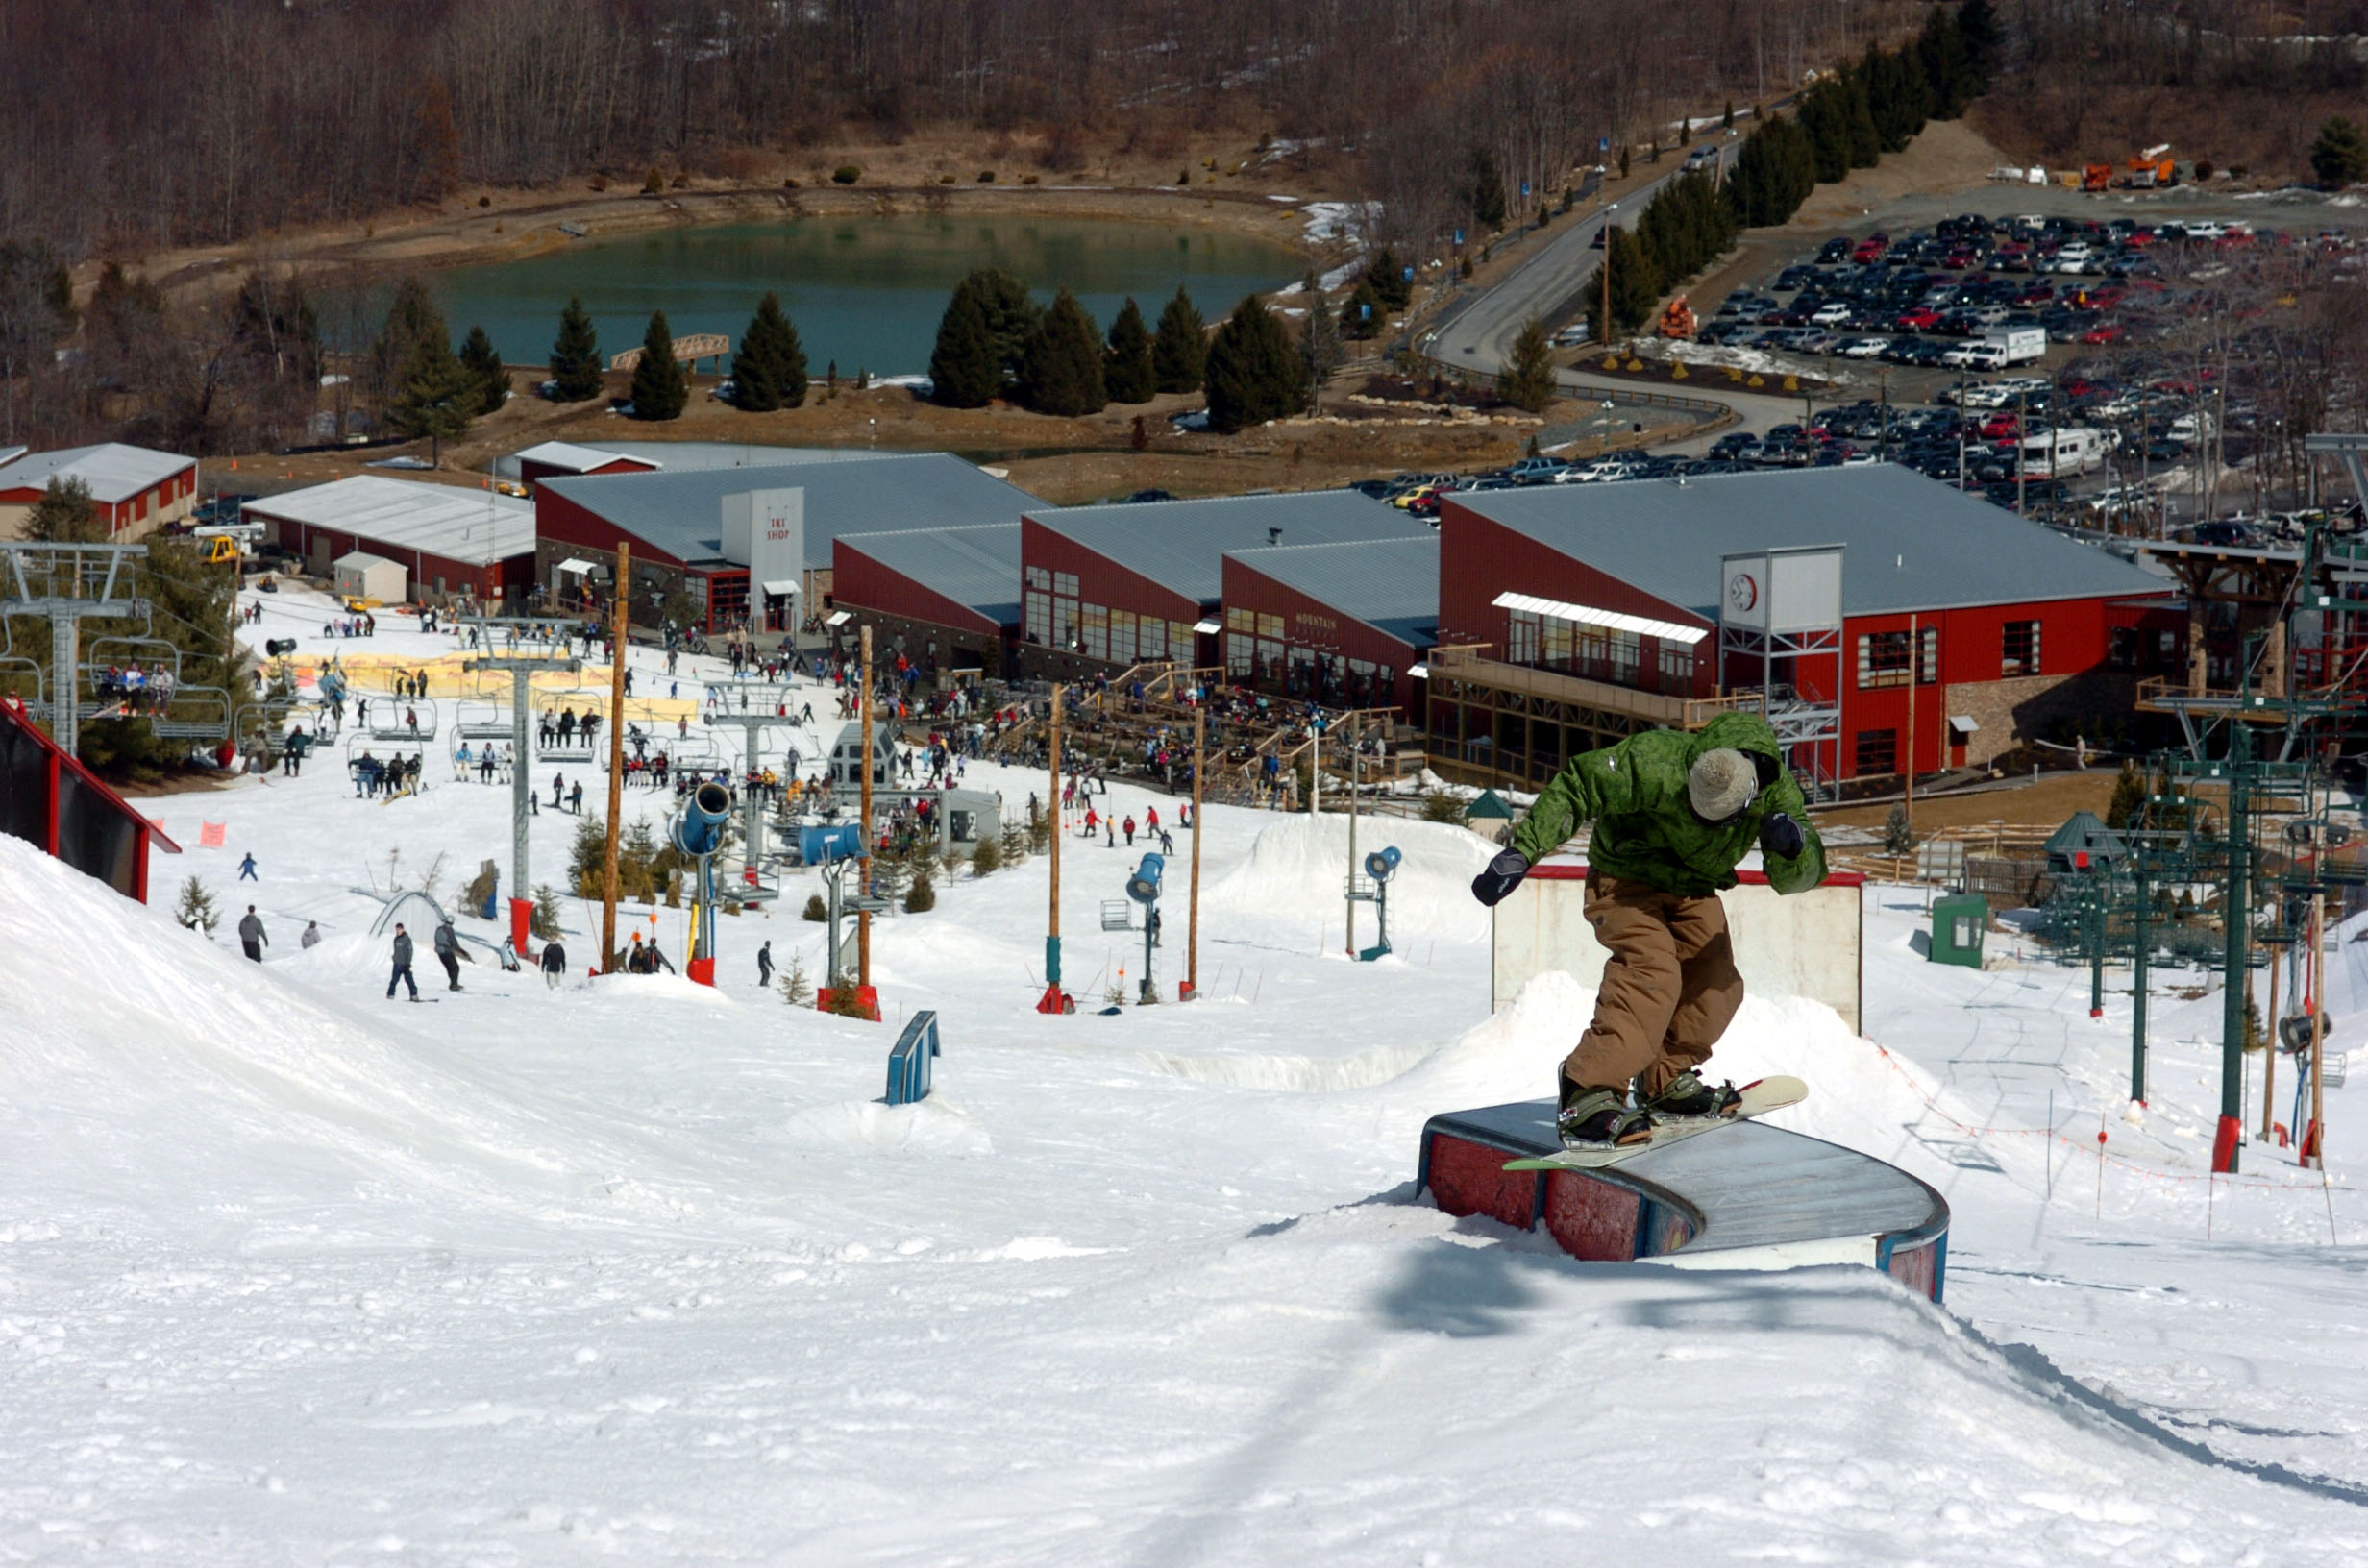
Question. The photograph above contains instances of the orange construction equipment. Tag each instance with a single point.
(1677, 319)
(2097, 177)
(2148, 173)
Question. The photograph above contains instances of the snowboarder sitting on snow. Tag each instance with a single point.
(1673, 814)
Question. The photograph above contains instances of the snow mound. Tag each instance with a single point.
(928, 1127)
(141, 1064)
(1296, 870)
(1508, 1056)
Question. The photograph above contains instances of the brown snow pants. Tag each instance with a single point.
(1669, 989)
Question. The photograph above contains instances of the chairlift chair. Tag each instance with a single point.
(386, 718)
(483, 722)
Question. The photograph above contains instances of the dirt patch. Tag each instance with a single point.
(1947, 156)
(2049, 802)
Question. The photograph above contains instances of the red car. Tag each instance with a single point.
(1921, 319)
(2000, 428)
(2103, 331)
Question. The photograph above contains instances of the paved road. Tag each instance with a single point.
(1478, 334)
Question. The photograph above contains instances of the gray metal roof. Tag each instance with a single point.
(681, 511)
(111, 471)
(1910, 543)
(976, 567)
(1390, 584)
(478, 528)
(1180, 545)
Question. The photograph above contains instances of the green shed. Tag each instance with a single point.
(1959, 921)
(1490, 807)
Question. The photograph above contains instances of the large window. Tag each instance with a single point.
(2019, 655)
(1094, 630)
(1676, 666)
(1878, 752)
(1883, 658)
(1521, 646)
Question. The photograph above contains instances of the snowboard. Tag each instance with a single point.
(1759, 1098)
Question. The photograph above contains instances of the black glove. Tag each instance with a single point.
(1780, 835)
(1504, 874)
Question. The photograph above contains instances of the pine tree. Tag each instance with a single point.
(485, 368)
(544, 923)
(1487, 194)
(1010, 316)
(439, 397)
(660, 390)
(1635, 290)
(1180, 348)
(1898, 837)
(196, 911)
(963, 370)
(65, 516)
(2341, 156)
(2128, 800)
(1527, 379)
(1386, 275)
(413, 324)
(1320, 341)
(1126, 367)
(1983, 40)
(1866, 141)
(1365, 315)
(769, 370)
(797, 986)
(1825, 115)
(1253, 375)
(987, 859)
(1940, 60)
(576, 355)
(1061, 373)
(922, 896)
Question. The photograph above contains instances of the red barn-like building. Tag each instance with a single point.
(563, 460)
(1573, 615)
(450, 540)
(132, 489)
(1345, 624)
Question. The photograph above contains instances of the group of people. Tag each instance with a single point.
(562, 727)
(491, 763)
(412, 685)
(364, 625)
(134, 688)
(375, 776)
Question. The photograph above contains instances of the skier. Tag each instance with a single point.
(251, 935)
(1131, 830)
(313, 935)
(555, 964)
(403, 965)
(1673, 814)
(448, 952)
(764, 966)
(246, 868)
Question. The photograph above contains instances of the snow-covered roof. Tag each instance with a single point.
(577, 459)
(113, 472)
(478, 528)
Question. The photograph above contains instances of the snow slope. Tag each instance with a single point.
(636, 1272)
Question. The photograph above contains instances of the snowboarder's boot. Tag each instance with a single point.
(1598, 1119)
(1689, 1098)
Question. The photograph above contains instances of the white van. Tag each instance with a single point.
(1976, 357)
(2052, 455)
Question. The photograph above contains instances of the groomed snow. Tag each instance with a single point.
(641, 1271)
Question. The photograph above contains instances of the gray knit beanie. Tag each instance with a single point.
(1721, 783)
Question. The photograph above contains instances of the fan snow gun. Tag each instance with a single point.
(1381, 865)
(698, 831)
(1142, 887)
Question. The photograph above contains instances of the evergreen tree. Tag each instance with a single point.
(274, 323)
(964, 372)
(439, 397)
(660, 389)
(769, 370)
(485, 368)
(1010, 316)
(65, 516)
(196, 909)
(1825, 115)
(1527, 379)
(412, 327)
(1486, 196)
(1126, 367)
(1635, 290)
(1062, 369)
(194, 601)
(1940, 60)
(2128, 800)
(1386, 275)
(1774, 173)
(1320, 341)
(2341, 156)
(1180, 348)
(1252, 372)
(1866, 141)
(1984, 41)
(1365, 314)
(576, 355)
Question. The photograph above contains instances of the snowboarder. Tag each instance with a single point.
(764, 966)
(313, 935)
(448, 953)
(1673, 814)
(575, 799)
(403, 965)
(251, 935)
(555, 964)
(246, 869)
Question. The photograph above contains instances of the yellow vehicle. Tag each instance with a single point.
(220, 549)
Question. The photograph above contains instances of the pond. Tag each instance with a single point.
(865, 291)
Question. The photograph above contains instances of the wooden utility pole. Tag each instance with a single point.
(1053, 925)
(1907, 777)
(863, 915)
(616, 753)
(1191, 926)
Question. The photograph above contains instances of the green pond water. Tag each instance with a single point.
(865, 291)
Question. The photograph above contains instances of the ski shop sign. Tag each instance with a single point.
(765, 531)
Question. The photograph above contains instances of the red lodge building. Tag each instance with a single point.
(1573, 615)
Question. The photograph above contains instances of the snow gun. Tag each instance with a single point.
(699, 832)
(1143, 889)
